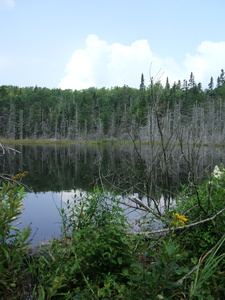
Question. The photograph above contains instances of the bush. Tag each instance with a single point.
(203, 206)
(94, 255)
(12, 242)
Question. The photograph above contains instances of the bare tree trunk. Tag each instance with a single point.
(21, 125)
(11, 128)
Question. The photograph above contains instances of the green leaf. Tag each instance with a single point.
(41, 295)
(14, 228)
(137, 278)
(13, 284)
(139, 266)
(120, 260)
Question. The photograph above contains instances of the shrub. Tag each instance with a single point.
(13, 243)
(94, 255)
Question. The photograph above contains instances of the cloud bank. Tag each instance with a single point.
(100, 64)
(207, 62)
(7, 4)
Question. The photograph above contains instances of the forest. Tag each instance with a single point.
(98, 255)
(183, 110)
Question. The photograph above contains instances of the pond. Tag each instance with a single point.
(57, 173)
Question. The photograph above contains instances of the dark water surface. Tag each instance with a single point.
(56, 173)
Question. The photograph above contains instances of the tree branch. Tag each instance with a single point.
(147, 233)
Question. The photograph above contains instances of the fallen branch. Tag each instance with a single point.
(147, 233)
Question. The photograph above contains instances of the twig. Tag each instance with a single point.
(139, 202)
(5, 149)
(145, 207)
(132, 206)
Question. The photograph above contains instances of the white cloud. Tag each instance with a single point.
(207, 62)
(7, 4)
(100, 64)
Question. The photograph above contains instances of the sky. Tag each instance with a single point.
(77, 44)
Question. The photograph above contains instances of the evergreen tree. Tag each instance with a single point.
(141, 109)
(222, 77)
(167, 84)
(199, 87)
(218, 82)
(185, 85)
(211, 84)
(142, 85)
(191, 82)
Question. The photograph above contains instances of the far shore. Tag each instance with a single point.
(63, 142)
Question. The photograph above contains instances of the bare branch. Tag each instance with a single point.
(145, 207)
(4, 148)
(139, 202)
(132, 206)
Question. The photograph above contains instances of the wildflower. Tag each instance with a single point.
(217, 173)
(178, 220)
(19, 176)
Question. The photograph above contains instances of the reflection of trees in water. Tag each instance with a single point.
(143, 169)
(55, 168)
(128, 169)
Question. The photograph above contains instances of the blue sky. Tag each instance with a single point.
(104, 43)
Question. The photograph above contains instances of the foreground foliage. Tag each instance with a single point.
(96, 256)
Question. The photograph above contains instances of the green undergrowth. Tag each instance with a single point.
(96, 256)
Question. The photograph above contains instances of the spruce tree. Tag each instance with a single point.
(222, 77)
(211, 84)
(142, 85)
(218, 82)
(191, 83)
(142, 103)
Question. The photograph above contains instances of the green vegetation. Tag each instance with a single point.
(97, 257)
(13, 243)
(123, 113)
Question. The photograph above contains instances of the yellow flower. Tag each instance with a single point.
(178, 220)
(19, 176)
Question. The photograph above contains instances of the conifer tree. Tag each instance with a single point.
(142, 103)
(218, 82)
(222, 77)
(191, 83)
(211, 84)
(185, 85)
(142, 85)
(167, 83)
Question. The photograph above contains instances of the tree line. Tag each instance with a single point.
(116, 113)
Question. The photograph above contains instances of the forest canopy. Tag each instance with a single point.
(116, 113)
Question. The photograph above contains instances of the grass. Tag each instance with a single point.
(43, 142)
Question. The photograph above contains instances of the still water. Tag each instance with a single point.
(57, 173)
